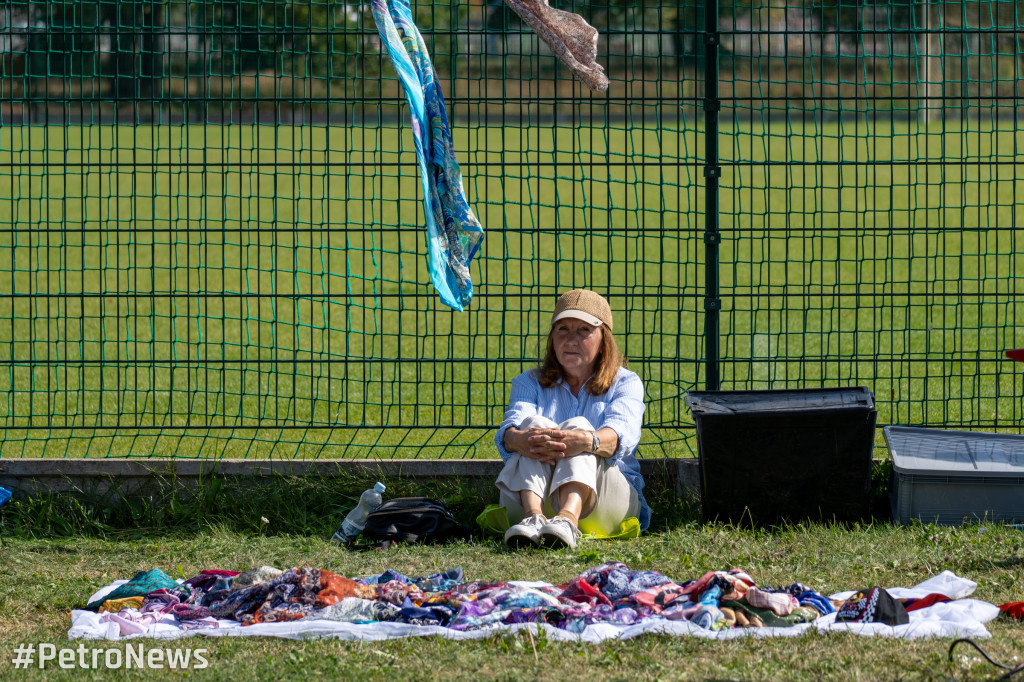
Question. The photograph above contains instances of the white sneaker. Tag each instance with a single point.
(559, 532)
(526, 533)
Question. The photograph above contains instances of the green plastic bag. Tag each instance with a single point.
(493, 520)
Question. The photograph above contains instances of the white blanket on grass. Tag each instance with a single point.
(961, 617)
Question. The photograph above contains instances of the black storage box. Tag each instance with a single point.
(769, 456)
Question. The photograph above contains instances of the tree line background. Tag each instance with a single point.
(302, 59)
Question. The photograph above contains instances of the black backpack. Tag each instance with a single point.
(413, 520)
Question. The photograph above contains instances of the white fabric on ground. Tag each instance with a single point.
(947, 583)
(960, 618)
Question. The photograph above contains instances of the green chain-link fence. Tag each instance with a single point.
(211, 235)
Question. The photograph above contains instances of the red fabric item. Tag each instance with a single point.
(580, 590)
(1013, 608)
(1016, 354)
(924, 602)
(660, 596)
(700, 584)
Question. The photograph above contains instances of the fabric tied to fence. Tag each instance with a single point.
(453, 233)
(569, 36)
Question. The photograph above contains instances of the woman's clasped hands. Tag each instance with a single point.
(551, 445)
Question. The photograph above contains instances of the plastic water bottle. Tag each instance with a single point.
(354, 523)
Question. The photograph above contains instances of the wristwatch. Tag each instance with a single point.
(596, 445)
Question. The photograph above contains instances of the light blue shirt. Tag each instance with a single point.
(621, 409)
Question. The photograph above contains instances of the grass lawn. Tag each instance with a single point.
(57, 550)
(42, 579)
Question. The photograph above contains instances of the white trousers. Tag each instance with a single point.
(612, 499)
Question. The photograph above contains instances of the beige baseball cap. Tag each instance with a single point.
(583, 304)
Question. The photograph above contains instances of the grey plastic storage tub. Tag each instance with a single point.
(769, 456)
(955, 477)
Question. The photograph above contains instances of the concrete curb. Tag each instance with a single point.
(675, 477)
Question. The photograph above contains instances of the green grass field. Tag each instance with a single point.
(42, 580)
(271, 282)
(57, 551)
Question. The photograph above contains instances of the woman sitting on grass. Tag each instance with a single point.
(570, 434)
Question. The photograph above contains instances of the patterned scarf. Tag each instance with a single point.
(453, 233)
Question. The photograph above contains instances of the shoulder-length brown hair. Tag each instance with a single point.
(609, 361)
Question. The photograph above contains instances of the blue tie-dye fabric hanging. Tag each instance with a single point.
(453, 232)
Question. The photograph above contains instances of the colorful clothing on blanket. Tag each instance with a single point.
(453, 233)
(356, 610)
(175, 604)
(805, 596)
(609, 593)
(758, 617)
(294, 594)
(141, 584)
(133, 622)
(334, 588)
(722, 599)
(207, 579)
(255, 576)
(115, 605)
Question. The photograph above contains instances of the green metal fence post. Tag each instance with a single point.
(712, 174)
